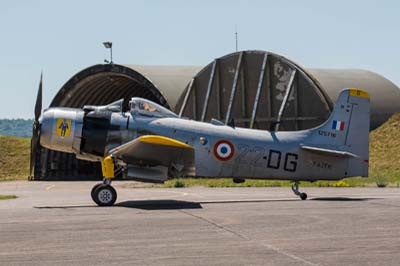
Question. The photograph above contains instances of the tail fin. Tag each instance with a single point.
(347, 130)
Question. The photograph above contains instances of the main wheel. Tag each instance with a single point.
(303, 196)
(93, 189)
(104, 195)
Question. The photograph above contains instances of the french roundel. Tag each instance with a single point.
(224, 150)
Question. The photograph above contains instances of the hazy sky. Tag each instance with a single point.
(63, 37)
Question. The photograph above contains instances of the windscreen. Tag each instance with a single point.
(149, 108)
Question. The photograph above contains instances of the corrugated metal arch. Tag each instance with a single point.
(102, 84)
(250, 87)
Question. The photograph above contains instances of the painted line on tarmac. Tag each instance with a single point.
(50, 187)
(181, 193)
(287, 254)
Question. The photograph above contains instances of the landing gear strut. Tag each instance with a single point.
(104, 194)
(295, 188)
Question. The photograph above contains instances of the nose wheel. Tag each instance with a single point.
(295, 188)
(104, 194)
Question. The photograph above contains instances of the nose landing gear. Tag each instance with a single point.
(295, 188)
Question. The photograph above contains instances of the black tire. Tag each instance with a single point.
(105, 195)
(303, 196)
(93, 189)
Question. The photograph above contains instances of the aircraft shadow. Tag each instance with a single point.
(138, 204)
(342, 199)
(159, 204)
(165, 204)
(247, 201)
(180, 204)
(65, 207)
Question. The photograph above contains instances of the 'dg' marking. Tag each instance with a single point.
(272, 159)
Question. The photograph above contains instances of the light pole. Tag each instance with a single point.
(108, 45)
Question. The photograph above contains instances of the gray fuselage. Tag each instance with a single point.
(257, 154)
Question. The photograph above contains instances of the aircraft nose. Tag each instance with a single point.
(61, 129)
(46, 125)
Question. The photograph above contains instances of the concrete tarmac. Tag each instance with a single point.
(56, 223)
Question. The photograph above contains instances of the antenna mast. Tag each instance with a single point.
(236, 38)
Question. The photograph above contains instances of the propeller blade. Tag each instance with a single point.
(38, 105)
(32, 158)
(36, 128)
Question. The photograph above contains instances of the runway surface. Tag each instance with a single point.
(56, 223)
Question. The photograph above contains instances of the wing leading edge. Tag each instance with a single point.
(155, 150)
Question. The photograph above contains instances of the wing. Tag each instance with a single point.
(155, 150)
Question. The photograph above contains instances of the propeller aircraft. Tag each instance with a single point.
(152, 144)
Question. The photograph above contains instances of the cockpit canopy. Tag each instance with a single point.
(149, 108)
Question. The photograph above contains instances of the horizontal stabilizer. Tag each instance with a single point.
(328, 152)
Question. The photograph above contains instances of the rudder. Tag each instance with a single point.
(347, 129)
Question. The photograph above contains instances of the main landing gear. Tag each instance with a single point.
(104, 194)
(295, 188)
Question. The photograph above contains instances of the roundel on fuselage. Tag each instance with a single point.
(224, 150)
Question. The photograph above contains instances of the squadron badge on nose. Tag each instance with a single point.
(63, 128)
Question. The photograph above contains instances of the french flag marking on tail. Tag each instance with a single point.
(338, 125)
